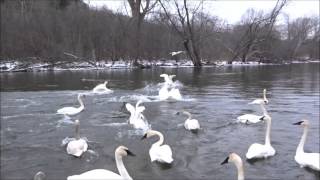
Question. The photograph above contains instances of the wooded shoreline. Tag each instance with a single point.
(21, 66)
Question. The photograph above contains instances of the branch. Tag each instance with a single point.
(169, 18)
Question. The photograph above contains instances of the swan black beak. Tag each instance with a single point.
(298, 123)
(262, 118)
(130, 153)
(144, 136)
(177, 113)
(225, 161)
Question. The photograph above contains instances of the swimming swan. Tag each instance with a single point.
(159, 152)
(72, 110)
(77, 146)
(101, 88)
(165, 94)
(264, 100)
(39, 176)
(100, 174)
(191, 124)
(258, 150)
(236, 159)
(311, 160)
(168, 79)
(250, 118)
(137, 119)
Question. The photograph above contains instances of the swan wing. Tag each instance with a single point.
(255, 151)
(249, 118)
(175, 94)
(140, 124)
(257, 101)
(192, 124)
(161, 153)
(99, 87)
(69, 110)
(103, 91)
(163, 75)
(259, 151)
(163, 93)
(96, 174)
(130, 108)
(311, 160)
(77, 147)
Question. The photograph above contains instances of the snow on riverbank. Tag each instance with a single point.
(18, 66)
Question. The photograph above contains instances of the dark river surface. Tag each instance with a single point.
(32, 132)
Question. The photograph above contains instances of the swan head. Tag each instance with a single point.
(123, 151)
(264, 91)
(302, 123)
(233, 157)
(39, 176)
(262, 118)
(265, 117)
(149, 133)
(184, 112)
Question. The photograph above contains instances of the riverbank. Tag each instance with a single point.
(18, 66)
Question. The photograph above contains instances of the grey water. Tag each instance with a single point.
(32, 132)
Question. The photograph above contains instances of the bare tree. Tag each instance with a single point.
(183, 23)
(298, 31)
(139, 9)
(256, 29)
(59, 32)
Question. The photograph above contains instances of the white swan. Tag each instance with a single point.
(262, 150)
(102, 174)
(168, 79)
(264, 100)
(39, 176)
(236, 159)
(165, 94)
(78, 146)
(174, 53)
(250, 118)
(72, 110)
(137, 119)
(102, 88)
(311, 160)
(191, 124)
(159, 152)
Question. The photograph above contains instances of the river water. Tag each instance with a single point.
(32, 132)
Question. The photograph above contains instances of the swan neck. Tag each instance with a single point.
(303, 140)
(121, 168)
(239, 166)
(188, 114)
(161, 139)
(77, 135)
(264, 96)
(80, 101)
(267, 140)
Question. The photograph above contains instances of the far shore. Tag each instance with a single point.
(18, 66)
